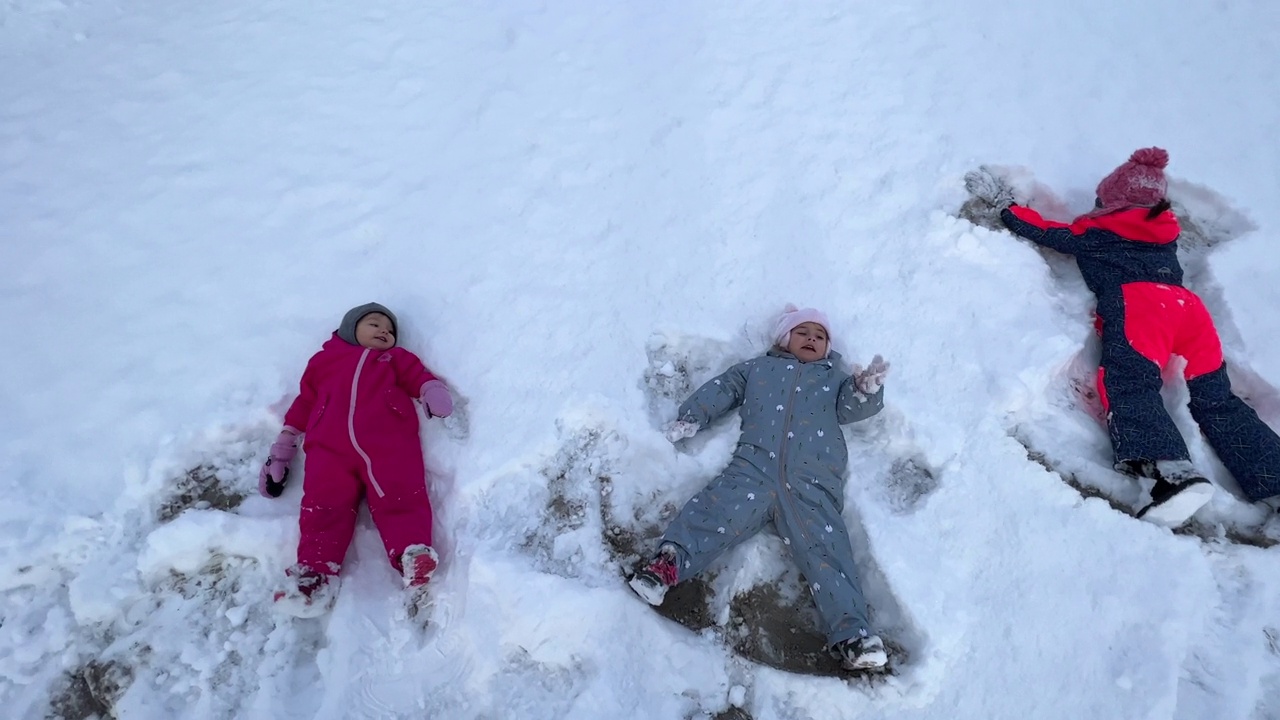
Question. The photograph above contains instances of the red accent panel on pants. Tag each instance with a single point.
(1161, 320)
(1102, 390)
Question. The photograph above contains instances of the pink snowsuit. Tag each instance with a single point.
(356, 408)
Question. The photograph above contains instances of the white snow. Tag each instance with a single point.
(577, 210)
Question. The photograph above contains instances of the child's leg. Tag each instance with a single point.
(819, 542)
(732, 508)
(1137, 339)
(1248, 448)
(330, 499)
(403, 515)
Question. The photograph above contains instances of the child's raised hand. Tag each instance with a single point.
(679, 430)
(989, 187)
(871, 379)
(436, 399)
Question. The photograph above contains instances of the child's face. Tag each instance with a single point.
(808, 342)
(376, 331)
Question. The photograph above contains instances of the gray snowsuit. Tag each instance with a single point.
(789, 468)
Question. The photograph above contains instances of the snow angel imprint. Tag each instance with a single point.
(788, 470)
(1126, 249)
(355, 407)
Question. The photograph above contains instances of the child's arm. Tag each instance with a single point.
(1027, 223)
(275, 471)
(853, 405)
(299, 412)
(417, 381)
(716, 398)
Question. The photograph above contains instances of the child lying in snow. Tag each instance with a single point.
(356, 409)
(1127, 252)
(788, 469)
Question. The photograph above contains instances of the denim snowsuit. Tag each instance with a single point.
(789, 468)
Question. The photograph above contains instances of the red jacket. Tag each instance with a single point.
(1112, 250)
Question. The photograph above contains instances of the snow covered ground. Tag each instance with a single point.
(569, 205)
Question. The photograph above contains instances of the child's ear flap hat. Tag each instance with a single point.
(1138, 182)
(792, 317)
(347, 330)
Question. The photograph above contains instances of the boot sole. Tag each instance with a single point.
(870, 661)
(1178, 508)
(647, 592)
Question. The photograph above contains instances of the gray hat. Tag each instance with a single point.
(347, 330)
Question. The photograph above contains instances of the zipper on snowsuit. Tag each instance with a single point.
(784, 484)
(351, 424)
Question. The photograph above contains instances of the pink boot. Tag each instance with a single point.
(417, 564)
(652, 581)
(308, 593)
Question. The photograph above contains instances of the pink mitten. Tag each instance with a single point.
(275, 471)
(436, 399)
(870, 381)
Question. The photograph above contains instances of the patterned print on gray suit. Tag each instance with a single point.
(789, 469)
